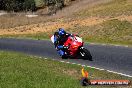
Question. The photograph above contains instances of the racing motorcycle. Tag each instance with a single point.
(75, 48)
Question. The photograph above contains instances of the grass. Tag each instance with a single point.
(113, 30)
(16, 20)
(24, 71)
(112, 9)
(110, 31)
(19, 19)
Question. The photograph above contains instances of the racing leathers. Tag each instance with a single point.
(59, 42)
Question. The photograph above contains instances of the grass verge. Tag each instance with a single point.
(112, 31)
(23, 71)
(112, 9)
(115, 29)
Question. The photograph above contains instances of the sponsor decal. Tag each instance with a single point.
(109, 82)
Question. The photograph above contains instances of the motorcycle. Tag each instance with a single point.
(75, 48)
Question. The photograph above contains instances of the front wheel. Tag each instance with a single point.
(64, 57)
(86, 54)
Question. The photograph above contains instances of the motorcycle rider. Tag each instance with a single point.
(60, 38)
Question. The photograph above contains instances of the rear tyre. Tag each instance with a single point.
(86, 54)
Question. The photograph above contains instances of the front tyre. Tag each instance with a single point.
(64, 57)
(85, 54)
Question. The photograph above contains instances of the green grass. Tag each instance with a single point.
(23, 71)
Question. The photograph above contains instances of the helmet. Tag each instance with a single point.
(61, 32)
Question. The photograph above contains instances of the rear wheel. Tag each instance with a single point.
(86, 54)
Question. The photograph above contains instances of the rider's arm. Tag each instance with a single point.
(56, 43)
(56, 39)
(68, 34)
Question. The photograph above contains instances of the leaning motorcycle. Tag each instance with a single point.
(75, 48)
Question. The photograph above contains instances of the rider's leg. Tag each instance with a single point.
(61, 52)
(60, 46)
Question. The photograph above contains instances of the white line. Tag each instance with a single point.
(35, 56)
(102, 69)
(98, 68)
(126, 46)
(73, 63)
(103, 44)
(78, 64)
(110, 71)
(68, 62)
(92, 43)
(117, 45)
(62, 61)
(95, 68)
(83, 65)
(118, 73)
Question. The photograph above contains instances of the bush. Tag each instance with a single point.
(18, 5)
(1, 4)
(29, 5)
(8, 5)
(39, 3)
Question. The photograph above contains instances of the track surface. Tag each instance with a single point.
(115, 58)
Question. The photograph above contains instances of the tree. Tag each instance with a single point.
(54, 5)
(29, 5)
(18, 5)
(1, 4)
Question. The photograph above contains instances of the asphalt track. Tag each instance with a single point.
(115, 58)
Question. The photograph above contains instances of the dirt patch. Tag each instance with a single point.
(80, 5)
(60, 20)
(19, 19)
(51, 26)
